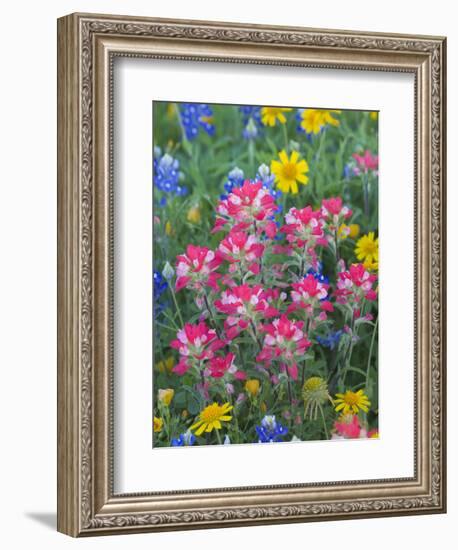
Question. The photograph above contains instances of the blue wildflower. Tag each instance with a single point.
(270, 431)
(185, 439)
(264, 174)
(235, 178)
(167, 175)
(331, 340)
(195, 116)
(251, 121)
(160, 286)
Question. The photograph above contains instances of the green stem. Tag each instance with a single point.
(251, 151)
(176, 305)
(285, 135)
(370, 352)
(218, 437)
(324, 422)
(366, 196)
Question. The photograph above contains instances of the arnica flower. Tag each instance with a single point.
(289, 171)
(348, 426)
(194, 215)
(270, 115)
(284, 341)
(245, 304)
(315, 394)
(367, 250)
(195, 343)
(311, 295)
(304, 227)
(196, 269)
(331, 340)
(366, 162)
(184, 440)
(195, 116)
(249, 205)
(351, 402)
(252, 386)
(241, 251)
(211, 417)
(165, 396)
(158, 423)
(355, 285)
(312, 121)
(271, 431)
(166, 365)
(166, 174)
(346, 231)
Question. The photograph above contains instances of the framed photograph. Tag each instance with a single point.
(251, 291)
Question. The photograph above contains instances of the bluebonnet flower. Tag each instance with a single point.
(270, 431)
(251, 121)
(186, 439)
(235, 178)
(331, 340)
(167, 175)
(195, 116)
(160, 286)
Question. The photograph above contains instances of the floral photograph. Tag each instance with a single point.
(265, 281)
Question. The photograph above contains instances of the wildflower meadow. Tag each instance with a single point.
(265, 278)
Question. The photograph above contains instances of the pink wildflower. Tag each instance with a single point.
(304, 227)
(242, 249)
(219, 365)
(312, 295)
(244, 304)
(195, 343)
(250, 204)
(348, 426)
(286, 341)
(334, 212)
(355, 284)
(196, 268)
(367, 161)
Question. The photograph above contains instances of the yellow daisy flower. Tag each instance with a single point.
(270, 115)
(371, 265)
(351, 402)
(374, 115)
(289, 171)
(367, 248)
(157, 424)
(211, 417)
(313, 120)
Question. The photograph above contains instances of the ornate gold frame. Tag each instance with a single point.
(87, 45)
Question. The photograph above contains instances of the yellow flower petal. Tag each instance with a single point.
(283, 156)
(294, 157)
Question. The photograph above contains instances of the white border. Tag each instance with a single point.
(137, 467)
